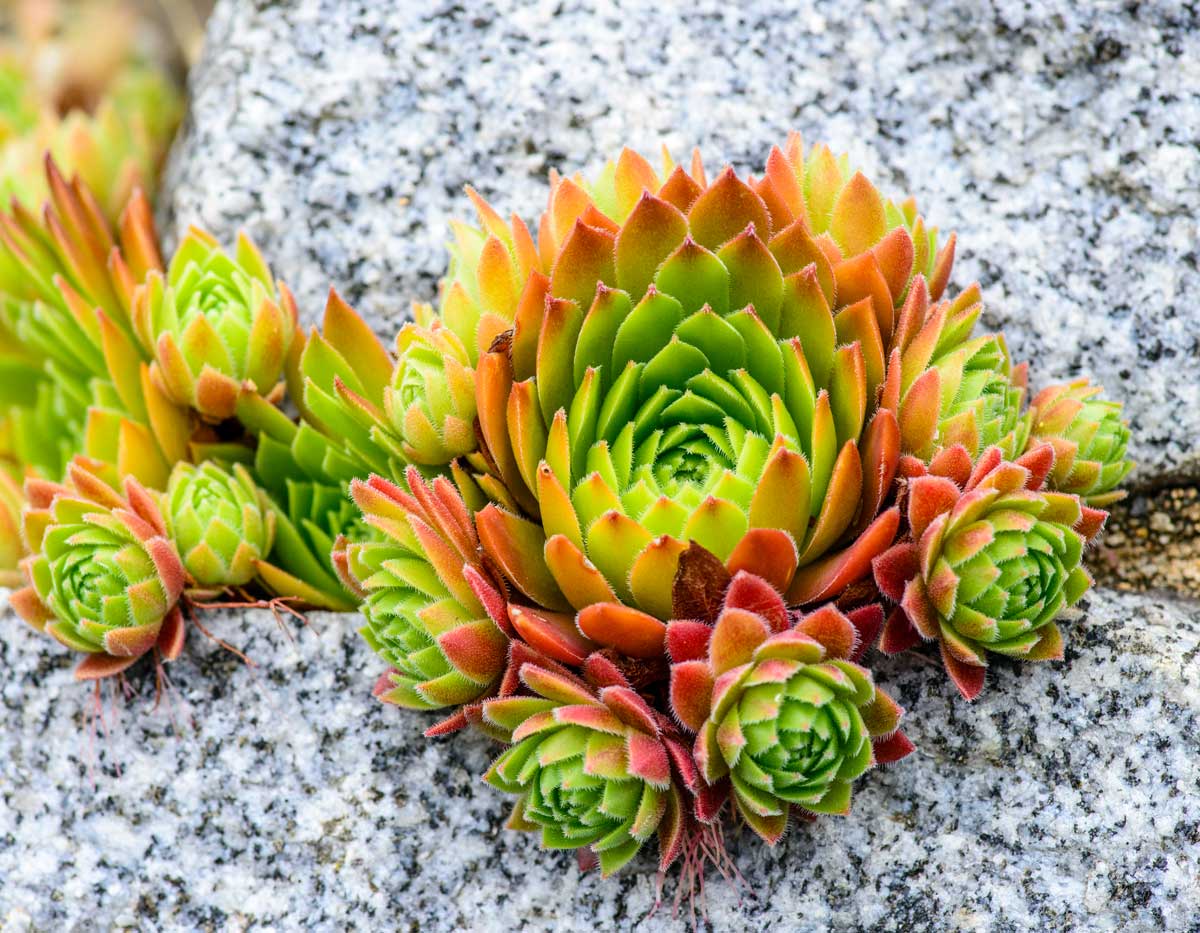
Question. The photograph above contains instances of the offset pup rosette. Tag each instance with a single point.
(991, 560)
(421, 584)
(593, 764)
(103, 576)
(220, 521)
(430, 402)
(1089, 438)
(214, 323)
(784, 717)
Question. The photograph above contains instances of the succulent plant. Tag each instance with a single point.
(1089, 439)
(103, 576)
(68, 281)
(213, 323)
(984, 409)
(421, 587)
(783, 715)
(662, 447)
(738, 455)
(593, 764)
(696, 365)
(948, 388)
(220, 522)
(614, 504)
(338, 378)
(430, 401)
(991, 559)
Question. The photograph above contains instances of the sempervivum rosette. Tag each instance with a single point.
(783, 715)
(430, 402)
(214, 323)
(1089, 439)
(220, 522)
(422, 584)
(949, 389)
(690, 361)
(104, 577)
(991, 560)
(593, 763)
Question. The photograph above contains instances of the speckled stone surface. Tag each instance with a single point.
(286, 797)
(1059, 138)
(1060, 142)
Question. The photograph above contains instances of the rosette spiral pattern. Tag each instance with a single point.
(104, 577)
(1089, 438)
(680, 361)
(784, 716)
(950, 389)
(214, 323)
(430, 401)
(991, 561)
(419, 585)
(593, 764)
(220, 521)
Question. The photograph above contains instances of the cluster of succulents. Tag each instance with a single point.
(648, 489)
(640, 499)
(144, 496)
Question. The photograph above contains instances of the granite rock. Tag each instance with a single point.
(283, 796)
(1059, 138)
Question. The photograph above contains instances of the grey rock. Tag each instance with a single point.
(285, 797)
(1060, 139)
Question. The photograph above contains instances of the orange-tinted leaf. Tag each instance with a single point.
(623, 628)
